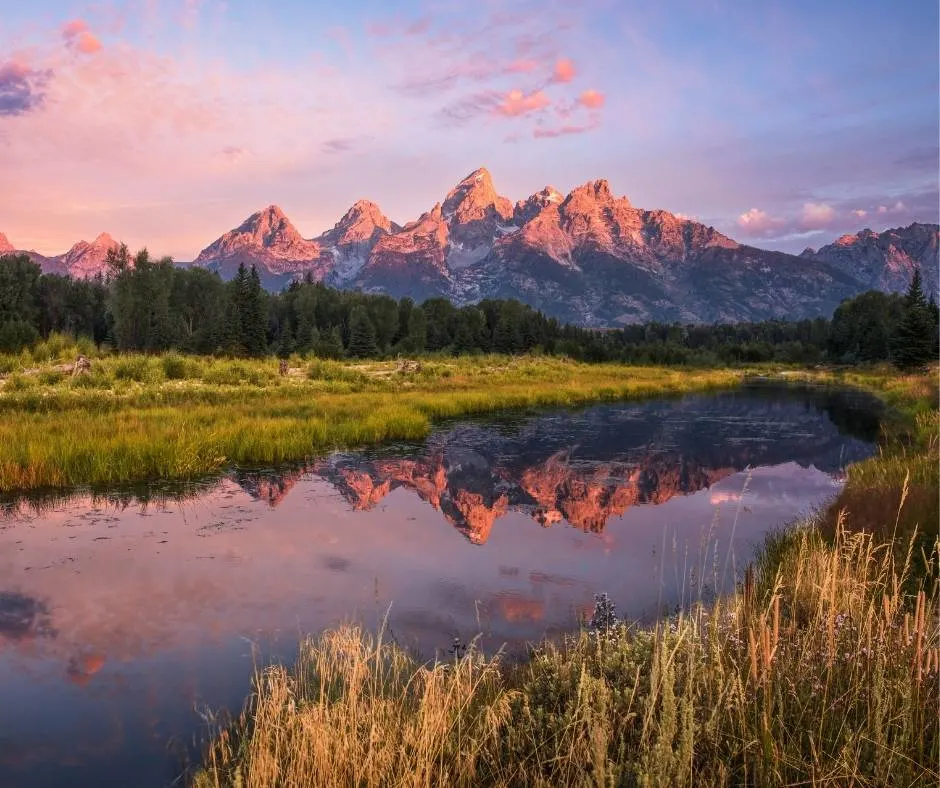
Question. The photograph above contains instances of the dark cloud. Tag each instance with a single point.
(22, 89)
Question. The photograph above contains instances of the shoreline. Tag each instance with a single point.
(710, 693)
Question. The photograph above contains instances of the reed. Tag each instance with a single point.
(821, 670)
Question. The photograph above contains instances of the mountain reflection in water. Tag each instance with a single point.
(121, 610)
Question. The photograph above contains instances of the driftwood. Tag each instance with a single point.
(407, 365)
(81, 365)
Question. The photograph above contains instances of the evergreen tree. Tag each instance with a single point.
(464, 341)
(417, 337)
(914, 338)
(331, 344)
(934, 311)
(254, 317)
(362, 342)
(235, 320)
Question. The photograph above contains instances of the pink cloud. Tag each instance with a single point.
(861, 213)
(521, 66)
(592, 99)
(758, 222)
(817, 216)
(564, 71)
(78, 37)
(517, 103)
(562, 131)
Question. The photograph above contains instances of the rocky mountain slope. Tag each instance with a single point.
(885, 261)
(83, 261)
(589, 257)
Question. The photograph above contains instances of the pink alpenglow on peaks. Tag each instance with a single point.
(5, 246)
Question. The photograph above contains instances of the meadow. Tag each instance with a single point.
(175, 417)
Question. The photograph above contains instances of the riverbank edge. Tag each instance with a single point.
(808, 579)
(64, 435)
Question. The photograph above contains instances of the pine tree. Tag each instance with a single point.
(254, 318)
(417, 338)
(234, 328)
(914, 339)
(934, 311)
(362, 342)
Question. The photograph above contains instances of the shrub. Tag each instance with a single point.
(139, 369)
(178, 367)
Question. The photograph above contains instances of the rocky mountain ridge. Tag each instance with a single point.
(589, 257)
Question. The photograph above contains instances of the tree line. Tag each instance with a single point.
(153, 305)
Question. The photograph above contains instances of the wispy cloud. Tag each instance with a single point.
(542, 132)
(516, 103)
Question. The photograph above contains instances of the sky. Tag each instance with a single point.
(167, 122)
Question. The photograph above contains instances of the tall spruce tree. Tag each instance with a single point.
(362, 341)
(254, 316)
(234, 320)
(914, 338)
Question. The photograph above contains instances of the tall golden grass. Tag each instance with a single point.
(820, 670)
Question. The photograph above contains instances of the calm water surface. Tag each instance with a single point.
(124, 613)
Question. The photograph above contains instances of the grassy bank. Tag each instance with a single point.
(822, 669)
(821, 672)
(133, 418)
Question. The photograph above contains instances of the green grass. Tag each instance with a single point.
(175, 417)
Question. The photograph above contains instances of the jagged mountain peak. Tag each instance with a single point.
(268, 240)
(102, 241)
(5, 246)
(597, 191)
(531, 206)
(473, 198)
(364, 214)
(266, 221)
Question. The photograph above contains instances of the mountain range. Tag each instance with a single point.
(589, 257)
